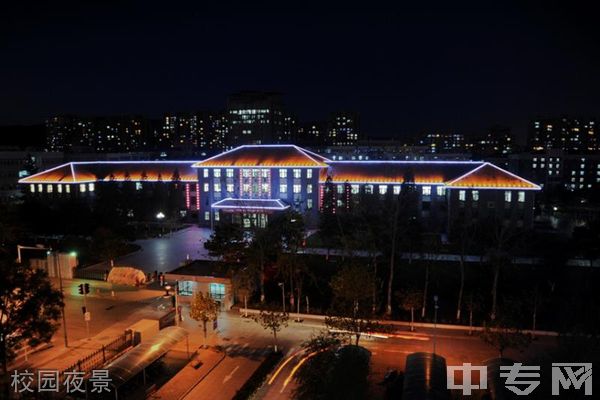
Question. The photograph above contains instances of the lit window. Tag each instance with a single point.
(32, 188)
(138, 186)
(91, 187)
(297, 173)
(426, 190)
(297, 188)
(397, 189)
(534, 165)
(206, 187)
(59, 188)
(369, 189)
(216, 215)
(382, 189)
(229, 172)
(264, 187)
(309, 204)
(206, 215)
(282, 188)
(264, 173)
(49, 188)
(462, 195)
(309, 188)
(229, 188)
(521, 197)
(246, 173)
(246, 188)
(217, 173)
(354, 189)
(40, 187)
(309, 173)
(475, 195)
(440, 190)
(205, 173)
(217, 187)
(68, 188)
(82, 188)
(508, 196)
(283, 173)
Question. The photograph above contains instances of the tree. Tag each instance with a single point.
(29, 308)
(409, 299)
(502, 332)
(273, 321)
(331, 371)
(227, 242)
(204, 308)
(107, 245)
(463, 235)
(351, 311)
(244, 284)
(258, 252)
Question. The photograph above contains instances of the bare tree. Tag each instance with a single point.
(409, 299)
(273, 321)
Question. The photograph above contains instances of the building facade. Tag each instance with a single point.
(250, 183)
(571, 135)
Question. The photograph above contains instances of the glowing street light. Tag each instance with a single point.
(160, 215)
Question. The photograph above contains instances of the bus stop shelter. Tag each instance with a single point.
(124, 368)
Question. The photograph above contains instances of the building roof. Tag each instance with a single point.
(250, 204)
(489, 176)
(105, 171)
(420, 172)
(285, 155)
(452, 174)
(202, 268)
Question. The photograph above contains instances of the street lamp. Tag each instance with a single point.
(282, 286)
(160, 215)
(435, 310)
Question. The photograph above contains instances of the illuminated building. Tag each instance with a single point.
(343, 129)
(571, 135)
(254, 118)
(98, 134)
(201, 131)
(443, 142)
(251, 182)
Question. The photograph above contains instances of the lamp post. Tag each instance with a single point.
(435, 310)
(282, 286)
(60, 285)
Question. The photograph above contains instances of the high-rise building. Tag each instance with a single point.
(343, 129)
(497, 141)
(572, 135)
(443, 142)
(254, 118)
(99, 134)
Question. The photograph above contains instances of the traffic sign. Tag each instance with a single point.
(88, 316)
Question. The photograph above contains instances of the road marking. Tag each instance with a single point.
(228, 377)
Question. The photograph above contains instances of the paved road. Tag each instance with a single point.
(166, 253)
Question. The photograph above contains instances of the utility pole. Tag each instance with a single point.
(282, 286)
(60, 284)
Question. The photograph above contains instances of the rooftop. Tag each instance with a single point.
(285, 155)
(119, 171)
(203, 268)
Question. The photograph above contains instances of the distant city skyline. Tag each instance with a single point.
(405, 70)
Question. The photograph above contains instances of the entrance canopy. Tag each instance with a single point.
(135, 361)
(250, 205)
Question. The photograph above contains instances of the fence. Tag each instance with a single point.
(102, 355)
(94, 274)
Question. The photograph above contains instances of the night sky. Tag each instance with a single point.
(405, 70)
